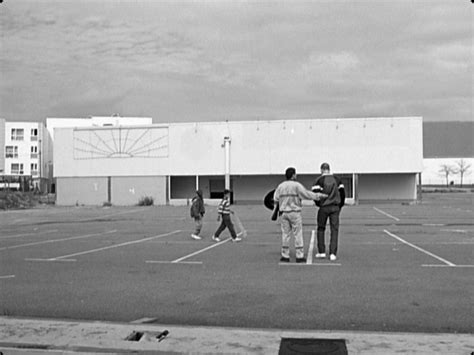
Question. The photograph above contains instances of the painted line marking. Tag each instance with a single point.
(116, 245)
(106, 215)
(200, 251)
(309, 259)
(7, 277)
(315, 264)
(433, 224)
(173, 262)
(454, 230)
(386, 214)
(49, 260)
(418, 248)
(439, 265)
(144, 320)
(27, 234)
(57, 240)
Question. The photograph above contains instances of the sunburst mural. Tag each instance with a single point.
(120, 142)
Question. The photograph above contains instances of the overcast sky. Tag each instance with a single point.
(236, 60)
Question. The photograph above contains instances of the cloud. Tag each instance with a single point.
(246, 58)
(333, 65)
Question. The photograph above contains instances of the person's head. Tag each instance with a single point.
(290, 173)
(199, 193)
(226, 193)
(325, 168)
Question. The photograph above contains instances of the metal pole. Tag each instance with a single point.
(227, 162)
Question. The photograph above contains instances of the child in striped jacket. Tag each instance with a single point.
(224, 217)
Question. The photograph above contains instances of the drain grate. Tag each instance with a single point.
(290, 346)
(135, 336)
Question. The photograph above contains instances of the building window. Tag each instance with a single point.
(11, 151)
(34, 169)
(17, 169)
(18, 134)
(34, 152)
(34, 134)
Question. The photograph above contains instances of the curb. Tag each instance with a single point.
(41, 336)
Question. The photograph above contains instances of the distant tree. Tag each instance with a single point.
(446, 170)
(462, 169)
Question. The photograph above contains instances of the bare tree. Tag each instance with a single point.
(446, 170)
(462, 169)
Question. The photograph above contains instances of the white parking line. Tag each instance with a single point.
(172, 262)
(439, 265)
(386, 214)
(56, 240)
(309, 259)
(115, 246)
(418, 248)
(7, 277)
(27, 234)
(48, 260)
(108, 215)
(200, 251)
(315, 264)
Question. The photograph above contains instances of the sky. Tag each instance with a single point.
(180, 61)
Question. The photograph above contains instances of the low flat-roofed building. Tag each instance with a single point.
(378, 159)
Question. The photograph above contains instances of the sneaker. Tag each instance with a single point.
(332, 257)
(284, 260)
(236, 240)
(195, 236)
(216, 239)
(301, 260)
(320, 255)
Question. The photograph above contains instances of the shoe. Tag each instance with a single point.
(320, 255)
(301, 260)
(216, 239)
(194, 236)
(332, 257)
(236, 240)
(284, 260)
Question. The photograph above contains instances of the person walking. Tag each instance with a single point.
(224, 217)
(288, 202)
(329, 207)
(197, 212)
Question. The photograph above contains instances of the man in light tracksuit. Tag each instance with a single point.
(288, 200)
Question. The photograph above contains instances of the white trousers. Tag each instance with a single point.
(292, 223)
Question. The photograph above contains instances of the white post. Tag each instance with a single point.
(227, 162)
(197, 182)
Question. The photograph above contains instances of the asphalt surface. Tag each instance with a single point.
(116, 265)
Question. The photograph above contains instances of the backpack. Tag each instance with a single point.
(194, 211)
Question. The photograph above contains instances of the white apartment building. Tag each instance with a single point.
(28, 152)
(2, 146)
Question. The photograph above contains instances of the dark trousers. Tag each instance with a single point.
(331, 212)
(226, 223)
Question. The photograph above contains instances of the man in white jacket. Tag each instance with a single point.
(288, 200)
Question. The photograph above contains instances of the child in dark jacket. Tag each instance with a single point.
(197, 212)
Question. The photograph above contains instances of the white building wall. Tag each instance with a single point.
(95, 121)
(370, 145)
(387, 187)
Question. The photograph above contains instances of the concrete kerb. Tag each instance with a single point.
(40, 336)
